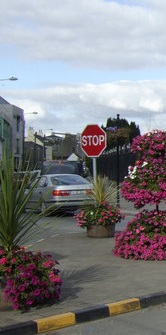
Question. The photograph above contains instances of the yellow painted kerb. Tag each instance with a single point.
(55, 322)
(124, 306)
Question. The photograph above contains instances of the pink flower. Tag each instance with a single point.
(36, 292)
(22, 288)
(35, 280)
(30, 302)
(3, 260)
(15, 306)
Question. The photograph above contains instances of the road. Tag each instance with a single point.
(150, 321)
(55, 225)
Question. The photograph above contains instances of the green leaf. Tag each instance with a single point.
(16, 225)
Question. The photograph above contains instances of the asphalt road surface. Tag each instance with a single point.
(53, 225)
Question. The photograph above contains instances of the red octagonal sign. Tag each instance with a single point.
(93, 140)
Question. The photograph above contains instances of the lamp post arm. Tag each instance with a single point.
(11, 78)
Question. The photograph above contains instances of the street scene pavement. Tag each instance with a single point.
(91, 274)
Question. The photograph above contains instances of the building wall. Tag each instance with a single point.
(36, 142)
(12, 126)
(1, 146)
(57, 145)
(31, 136)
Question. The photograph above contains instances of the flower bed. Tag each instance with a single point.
(102, 215)
(144, 237)
(31, 278)
(146, 181)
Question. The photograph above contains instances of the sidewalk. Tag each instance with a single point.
(92, 276)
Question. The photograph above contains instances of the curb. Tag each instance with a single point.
(56, 322)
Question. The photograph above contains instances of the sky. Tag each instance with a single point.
(80, 62)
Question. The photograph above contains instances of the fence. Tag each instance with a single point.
(107, 165)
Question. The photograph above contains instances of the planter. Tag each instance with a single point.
(101, 231)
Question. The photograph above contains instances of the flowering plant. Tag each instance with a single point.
(103, 211)
(144, 237)
(102, 215)
(30, 279)
(146, 181)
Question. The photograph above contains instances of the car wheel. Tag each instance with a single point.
(43, 208)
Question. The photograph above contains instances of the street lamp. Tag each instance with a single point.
(117, 158)
(32, 113)
(11, 78)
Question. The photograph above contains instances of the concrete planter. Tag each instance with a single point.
(100, 231)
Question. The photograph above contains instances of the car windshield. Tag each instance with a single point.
(59, 168)
(68, 180)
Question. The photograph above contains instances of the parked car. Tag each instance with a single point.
(60, 192)
(65, 166)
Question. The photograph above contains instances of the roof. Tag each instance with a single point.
(3, 101)
(73, 157)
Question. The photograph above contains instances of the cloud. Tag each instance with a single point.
(82, 61)
(70, 108)
(96, 33)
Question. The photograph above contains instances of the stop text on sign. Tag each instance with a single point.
(93, 140)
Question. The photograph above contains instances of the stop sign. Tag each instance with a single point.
(93, 140)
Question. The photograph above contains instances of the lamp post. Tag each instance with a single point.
(32, 113)
(11, 78)
(117, 157)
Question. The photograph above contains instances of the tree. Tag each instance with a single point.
(120, 130)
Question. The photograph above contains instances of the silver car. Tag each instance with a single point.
(60, 192)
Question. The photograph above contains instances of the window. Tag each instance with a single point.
(18, 123)
(17, 147)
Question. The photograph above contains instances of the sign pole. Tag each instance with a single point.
(94, 169)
